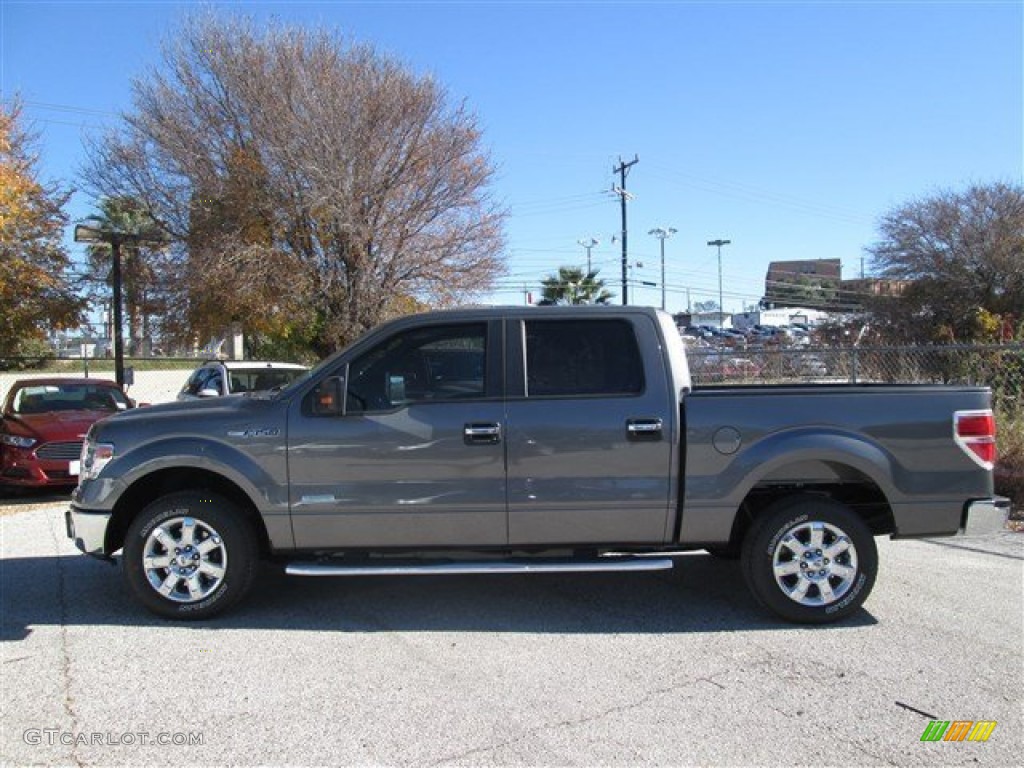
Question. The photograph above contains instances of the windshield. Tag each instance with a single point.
(261, 379)
(306, 375)
(68, 396)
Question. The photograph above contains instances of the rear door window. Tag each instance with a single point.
(567, 358)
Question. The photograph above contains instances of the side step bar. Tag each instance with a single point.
(499, 566)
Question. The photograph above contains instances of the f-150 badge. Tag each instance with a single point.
(255, 432)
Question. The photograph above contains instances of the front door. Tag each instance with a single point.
(418, 459)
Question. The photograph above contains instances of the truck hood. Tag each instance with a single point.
(228, 408)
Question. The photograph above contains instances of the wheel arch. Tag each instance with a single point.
(841, 467)
(148, 488)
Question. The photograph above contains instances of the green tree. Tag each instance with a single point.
(572, 286)
(140, 267)
(311, 183)
(35, 295)
(958, 255)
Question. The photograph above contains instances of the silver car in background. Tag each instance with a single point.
(228, 377)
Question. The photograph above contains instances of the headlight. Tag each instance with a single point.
(95, 456)
(17, 440)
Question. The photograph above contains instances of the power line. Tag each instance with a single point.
(753, 194)
(67, 108)
(555, 201)
(562, 209)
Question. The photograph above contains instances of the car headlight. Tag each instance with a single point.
(17, 440)
(95, 456)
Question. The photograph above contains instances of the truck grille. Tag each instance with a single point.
(63, 451)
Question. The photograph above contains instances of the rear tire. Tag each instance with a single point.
(810, 560)
(190, 555)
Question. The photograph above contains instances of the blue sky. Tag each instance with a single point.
(785, 127)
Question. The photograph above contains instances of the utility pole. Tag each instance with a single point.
(589, 243)
(663, 233)
(622, 169)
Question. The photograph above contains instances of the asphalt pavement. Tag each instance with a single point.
(673, 668)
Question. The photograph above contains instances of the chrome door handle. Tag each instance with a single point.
(481, 434)
(644, 429)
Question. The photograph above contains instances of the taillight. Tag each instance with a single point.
(975, 432)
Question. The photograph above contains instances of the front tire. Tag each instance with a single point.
(190, 555)
(730, 551)
(810, 560)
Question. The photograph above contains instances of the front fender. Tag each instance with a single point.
(267, 493)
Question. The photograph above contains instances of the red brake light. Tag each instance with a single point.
(975, 433)
(976, 425)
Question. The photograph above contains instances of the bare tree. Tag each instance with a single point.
(315, 187)
(961, 255)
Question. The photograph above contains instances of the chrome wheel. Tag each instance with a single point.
(815, 563)
(184, 559)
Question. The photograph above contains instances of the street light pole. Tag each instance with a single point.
(663, 233)
(721, 305)
(589, 243)
(115, 250)
(115, 239)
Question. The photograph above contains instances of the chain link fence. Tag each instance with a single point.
(1000, 367)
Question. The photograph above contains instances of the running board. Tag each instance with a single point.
(454, 569)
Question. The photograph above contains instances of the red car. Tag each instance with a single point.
(44, 424)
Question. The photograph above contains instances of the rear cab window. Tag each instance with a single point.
(586, 357)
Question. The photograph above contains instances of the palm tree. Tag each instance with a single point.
(125, 214)
(572, 286)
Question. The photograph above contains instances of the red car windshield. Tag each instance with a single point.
(46, 398)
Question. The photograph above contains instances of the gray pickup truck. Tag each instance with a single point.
(531, 440)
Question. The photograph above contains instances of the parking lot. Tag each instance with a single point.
(677, 668)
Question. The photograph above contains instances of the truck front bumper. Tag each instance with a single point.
(984, 516)
(88, 530)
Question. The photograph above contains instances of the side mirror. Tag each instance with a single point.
(209, 392)
(329, 397)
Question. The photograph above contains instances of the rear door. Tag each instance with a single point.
(590, 440)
